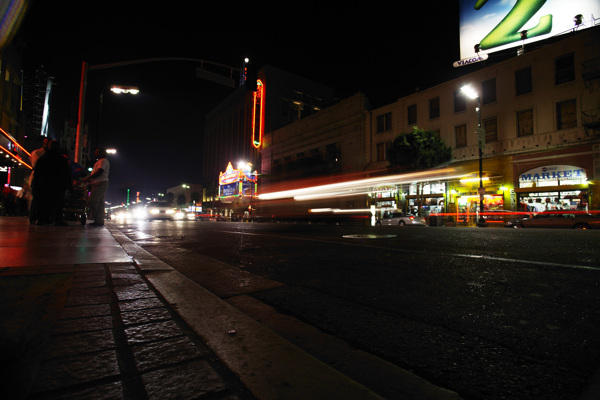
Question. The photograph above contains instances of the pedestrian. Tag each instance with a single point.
(99, 183)
(51, 179)
(35, 156)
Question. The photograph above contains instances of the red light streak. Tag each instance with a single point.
(16, 157)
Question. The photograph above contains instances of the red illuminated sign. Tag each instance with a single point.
(258, 115)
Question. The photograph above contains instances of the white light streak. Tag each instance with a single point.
(358, 187)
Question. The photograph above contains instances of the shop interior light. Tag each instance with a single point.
(466, 180)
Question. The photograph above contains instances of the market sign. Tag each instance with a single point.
(553, 175)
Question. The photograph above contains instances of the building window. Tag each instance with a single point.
(460, 102)
(566, 114)
(564, 69)
(523, 82)
(411, 117)
(491, 129)
(488, 91)
(382, 149)
(525, 122)
(434, 108)
(461, 135)
(384, 122)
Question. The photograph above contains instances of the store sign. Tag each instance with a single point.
(553, 175)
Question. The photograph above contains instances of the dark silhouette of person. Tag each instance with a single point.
(51, 178)
(35, 156)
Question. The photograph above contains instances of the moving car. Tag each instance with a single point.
(401, 219)
(159, 210)
(558, 219)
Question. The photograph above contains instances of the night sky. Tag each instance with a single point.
(373, 47)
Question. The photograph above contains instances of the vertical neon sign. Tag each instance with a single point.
(258, 115)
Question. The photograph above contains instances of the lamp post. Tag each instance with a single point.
(472, 94)
(186, 186)
(83, 85)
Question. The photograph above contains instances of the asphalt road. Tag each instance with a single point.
(489, 313)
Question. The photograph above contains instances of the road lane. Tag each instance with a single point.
(481, 312)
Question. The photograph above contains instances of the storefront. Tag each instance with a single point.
(383, 198)
(428, 196)
(553, 187)
(464, 197)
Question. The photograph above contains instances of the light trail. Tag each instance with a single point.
(360, 186)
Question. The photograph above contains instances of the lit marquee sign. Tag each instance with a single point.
(240, 182)
(493, 25)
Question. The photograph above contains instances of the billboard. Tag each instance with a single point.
(494, 25)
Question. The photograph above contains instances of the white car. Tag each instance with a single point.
(401, 219)
(159, 210)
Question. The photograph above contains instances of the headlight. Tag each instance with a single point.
(179, 215)
(170, 211)
(139, 214)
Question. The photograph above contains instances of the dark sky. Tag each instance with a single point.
(382, 49)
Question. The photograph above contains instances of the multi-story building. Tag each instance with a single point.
(327, 143)
(541, 115)
(14, 159)
(234, 129)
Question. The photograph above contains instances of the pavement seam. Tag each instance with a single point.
(132, 384)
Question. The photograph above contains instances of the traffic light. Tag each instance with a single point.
(251, 77)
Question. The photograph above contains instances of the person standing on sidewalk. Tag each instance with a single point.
(52, 178)
(99, 183)
(35, 156)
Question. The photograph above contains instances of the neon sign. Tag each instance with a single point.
(258, 114)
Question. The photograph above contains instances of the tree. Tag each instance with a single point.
(419, 149)
(181, 199)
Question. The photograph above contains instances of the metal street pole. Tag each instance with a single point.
(480, 142)
(81, 111)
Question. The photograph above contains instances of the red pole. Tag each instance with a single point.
(81, 111)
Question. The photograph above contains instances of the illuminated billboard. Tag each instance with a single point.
(241, 182)
(493, 25)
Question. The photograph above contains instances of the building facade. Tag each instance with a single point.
(14, 158)
(234, 129)
(540, 112)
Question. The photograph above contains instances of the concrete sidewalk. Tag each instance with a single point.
(88, 314)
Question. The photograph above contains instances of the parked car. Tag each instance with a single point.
(401, 219)
(500, 218)
(558, 219)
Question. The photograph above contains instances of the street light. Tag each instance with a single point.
(85, 68)
(125, 89)
(471, 93)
